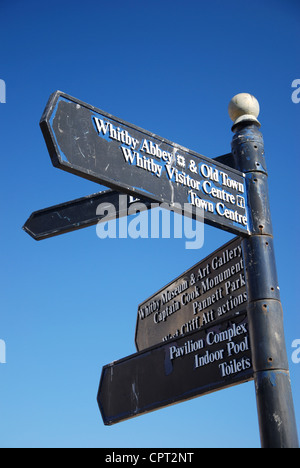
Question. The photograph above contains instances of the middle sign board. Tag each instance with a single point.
(213, 289)
(93, 144)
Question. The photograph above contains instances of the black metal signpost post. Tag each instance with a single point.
(270, 363)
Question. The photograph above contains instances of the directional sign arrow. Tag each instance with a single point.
(77, 214)
(211, 289)
(93, 144)
(198, 363)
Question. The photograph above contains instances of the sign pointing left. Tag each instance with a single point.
(77, 214)
(95, 145)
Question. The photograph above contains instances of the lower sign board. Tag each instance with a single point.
(93, 144)
(214, 288)
(198, 363)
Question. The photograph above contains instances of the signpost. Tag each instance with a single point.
(214, 288)
(93, 144)
(195, 364)
(193, 335)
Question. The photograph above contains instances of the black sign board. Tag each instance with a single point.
(198, 363)
(77, 214)
(93, 144)
(214, 288)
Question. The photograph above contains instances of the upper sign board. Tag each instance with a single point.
(96, 145)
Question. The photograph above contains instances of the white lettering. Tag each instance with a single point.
(114, 133)
(234, 366)
(208, 358)
(209, 173)
(102, 127)
(189, 347)
(230, 183)
(218, 193)
(182, 178)
(149, 147)
(227, 335)
(199, 203)
(230, 214)
(128, 154)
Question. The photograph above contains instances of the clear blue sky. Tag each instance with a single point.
(69, 304)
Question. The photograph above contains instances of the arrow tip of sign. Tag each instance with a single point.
(27, 228)
(243, 107)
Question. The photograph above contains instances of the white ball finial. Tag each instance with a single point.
(243, 107)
